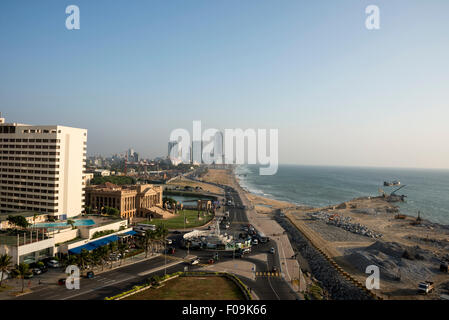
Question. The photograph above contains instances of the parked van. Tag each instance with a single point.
(145, 227)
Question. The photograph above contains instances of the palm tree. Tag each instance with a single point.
(122, 247)
(161, 234)
(72, 223)
(103, 253)
(96, 258)
(34, 219)
(112, 248)
(22, 271)
(147, 241)
(5, 265)
(83, 258)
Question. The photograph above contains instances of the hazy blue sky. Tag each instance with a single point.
(338, 93)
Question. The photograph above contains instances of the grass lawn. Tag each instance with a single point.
(177, 222)
(192, 288)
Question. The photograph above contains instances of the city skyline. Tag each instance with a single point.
(340, 95)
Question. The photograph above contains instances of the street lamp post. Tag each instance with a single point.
(165, 256)
(233, 250)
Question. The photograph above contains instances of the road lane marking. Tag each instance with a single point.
(159, 268)
(94, 289)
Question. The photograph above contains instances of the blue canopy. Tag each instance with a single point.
(94, 245)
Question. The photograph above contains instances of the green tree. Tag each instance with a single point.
(22, 271)
(118, 180)
(71, 222)
(96, 258)
(112, 247)
(161, 234)
(88, 209)
(112, 211)
(103, 254)
(68, 260)
(34, 218)
(84, 258)
(122, 247)
(18, 221)
(5, 265)
(147, 240)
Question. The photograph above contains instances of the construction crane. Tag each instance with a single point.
(126, 162)
(394, 192)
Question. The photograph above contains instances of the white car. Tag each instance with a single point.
(195, 261)
(4, 275)
(255, 241)
(53, 264)
(169, 241)
(272, 250)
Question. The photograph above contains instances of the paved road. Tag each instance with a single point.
(108, 283)
(267, 288)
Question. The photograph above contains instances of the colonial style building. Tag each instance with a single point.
(131, 201)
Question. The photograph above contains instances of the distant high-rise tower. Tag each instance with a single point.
(174, 152)
(218, 155)
(197, 152)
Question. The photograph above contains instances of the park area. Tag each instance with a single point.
(192, 288)
(177, 222)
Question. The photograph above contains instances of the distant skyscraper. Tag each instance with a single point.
(218, 153)
(197, 151)
(174, 152)
(172, 146)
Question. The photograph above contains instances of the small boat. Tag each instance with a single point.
(392, 183)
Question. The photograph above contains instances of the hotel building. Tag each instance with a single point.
(42, 169)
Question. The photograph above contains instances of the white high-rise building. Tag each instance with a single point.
(218, 155)
(175, 152)
(42, 169)
(197, 152)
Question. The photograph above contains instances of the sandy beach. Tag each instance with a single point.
(366, 231)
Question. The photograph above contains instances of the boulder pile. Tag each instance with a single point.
(345, 223)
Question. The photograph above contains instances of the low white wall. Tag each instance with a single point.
(65, 235)
(88, 232)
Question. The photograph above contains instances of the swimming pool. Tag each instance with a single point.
(81, 222)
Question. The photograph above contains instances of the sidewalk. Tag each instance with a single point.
(238, 267)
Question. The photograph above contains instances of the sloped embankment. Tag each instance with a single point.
(339, 287)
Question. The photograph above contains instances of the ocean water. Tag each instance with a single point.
(427, 190)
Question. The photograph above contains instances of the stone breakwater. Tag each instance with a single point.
(345, 223)
(338, 287)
